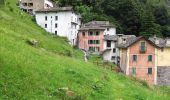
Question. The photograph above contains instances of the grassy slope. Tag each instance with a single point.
(28, 72)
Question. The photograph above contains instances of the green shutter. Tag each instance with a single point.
(150, 58)
(142, 47)
(133, 71)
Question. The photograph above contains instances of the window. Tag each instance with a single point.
(134, 57)
(90, 33)
(83, 34)
(149, 71)
(93, 42)
(113, 57)
(45, 25)
(97, 33)
(97, 42)
(94, 49)
(90, 41)
(45, 18)
(56, 25)
(133, 70)
(55, 32)
(150, 58)
(24, 4)
(109, 43)
(30, 4)
(108, 29)
(56, 17)
(97, 49)
(114, 50)
(142, 47)
(91, 49)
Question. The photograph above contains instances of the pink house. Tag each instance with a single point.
(137, 58)
(91, 35)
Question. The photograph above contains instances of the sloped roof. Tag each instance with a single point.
(110, 37)
(57, 9)
(160, 41)
(133, 40)
(96, 25)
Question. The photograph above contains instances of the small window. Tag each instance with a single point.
(113, 57)
(97, 33)
(45, 25)
(56, 17)
(114, 50)
(55, 32)
(142, 47)
(133, 70)
(149, 71)
(83, 34)
(109, 43)
(90, 41)
(91, 49)
(97, 49)
(150, 58)
(134, 57)
(30, 4)
(45, 18)
(97, 42)
(108, 29)
(56, 25)
(90, 33)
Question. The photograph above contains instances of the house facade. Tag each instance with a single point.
(111, 51)
(163, 60)
(91, 36)
(32, 5)
(137, 58)
(62, 21)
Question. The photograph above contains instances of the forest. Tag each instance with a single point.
(138, 17)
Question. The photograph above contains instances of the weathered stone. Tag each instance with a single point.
(163, 75)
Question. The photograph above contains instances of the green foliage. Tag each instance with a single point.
(138, 17)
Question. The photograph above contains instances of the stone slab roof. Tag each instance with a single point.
(110, 37)
(160, 41)
(96, 25)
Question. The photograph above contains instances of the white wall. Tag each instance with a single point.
(64, 24)
(111, 31)
(107, 55)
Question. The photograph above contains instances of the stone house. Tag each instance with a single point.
(31, 6)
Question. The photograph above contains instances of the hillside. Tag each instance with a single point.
(45, 71)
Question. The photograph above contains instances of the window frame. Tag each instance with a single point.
(141, 50)
(46, 18)
(134, 58)
(56, 25)
(108, 41)
(45, 25)
(150, 58)
(150, 71)
(56, 18)
(133, 71)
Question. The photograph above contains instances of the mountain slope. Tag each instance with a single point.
(37, 72)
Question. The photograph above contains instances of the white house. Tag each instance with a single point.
(111, 50)
(62, 21)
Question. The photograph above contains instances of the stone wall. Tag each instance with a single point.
(163, 75)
